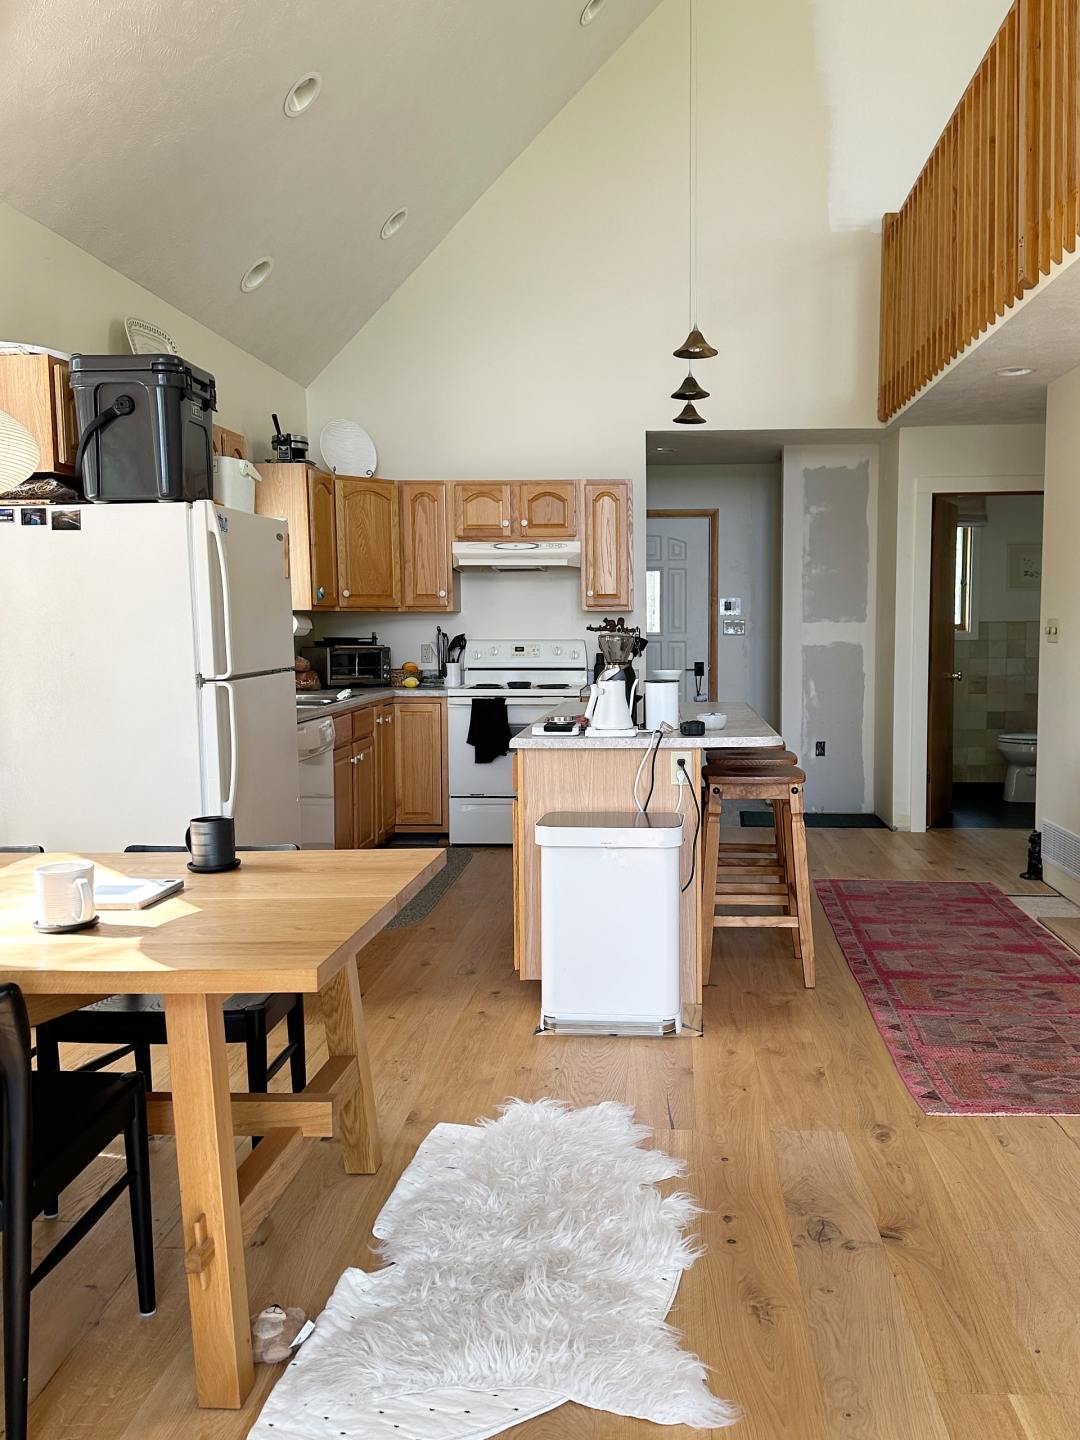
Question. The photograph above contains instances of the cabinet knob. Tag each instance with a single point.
(524, 524)
(378, 719)
(442, 594)
(346, 593)
(505, 524)
(589, 593)
(320, 593)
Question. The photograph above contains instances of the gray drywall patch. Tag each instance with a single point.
(836, 542)
(833, 686)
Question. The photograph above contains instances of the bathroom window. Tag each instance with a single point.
(962, 591)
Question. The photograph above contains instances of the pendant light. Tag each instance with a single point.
(695, 346)
(690, 390)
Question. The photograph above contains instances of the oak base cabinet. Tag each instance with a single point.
(422, 779)
(390, 771)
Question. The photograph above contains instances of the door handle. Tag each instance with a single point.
(956, 675)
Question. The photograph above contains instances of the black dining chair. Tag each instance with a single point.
(54, 1126)
(135, 1023)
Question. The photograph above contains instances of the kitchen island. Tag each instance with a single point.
(554, 772)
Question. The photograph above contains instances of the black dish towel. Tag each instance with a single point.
(489, 730)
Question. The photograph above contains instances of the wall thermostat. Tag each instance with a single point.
(732, 606)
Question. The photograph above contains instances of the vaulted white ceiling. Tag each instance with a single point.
(151, 133)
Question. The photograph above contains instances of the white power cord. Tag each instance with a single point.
(651, 750)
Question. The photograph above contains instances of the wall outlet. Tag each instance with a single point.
(1053, 632)
(678, 775)
(819, 747)
(427, 654)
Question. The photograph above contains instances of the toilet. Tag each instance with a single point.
(1019, 748)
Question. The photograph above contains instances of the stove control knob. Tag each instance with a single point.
(494, 650)
(556, 649)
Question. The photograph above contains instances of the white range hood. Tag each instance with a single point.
(517, 555)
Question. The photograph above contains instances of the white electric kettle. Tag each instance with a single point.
(609, 710)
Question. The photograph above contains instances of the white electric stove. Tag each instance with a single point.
(531, 676)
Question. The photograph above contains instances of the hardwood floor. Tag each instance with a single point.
(871, 1273)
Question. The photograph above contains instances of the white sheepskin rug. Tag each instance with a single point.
(530, 1260)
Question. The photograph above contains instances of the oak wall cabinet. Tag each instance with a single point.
(304, 497)
(607, 569)
(369, 559)
(36, 390)
(428, 579)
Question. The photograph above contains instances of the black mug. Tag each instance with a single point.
(211, 841)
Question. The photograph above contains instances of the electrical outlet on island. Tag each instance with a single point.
(679, 775)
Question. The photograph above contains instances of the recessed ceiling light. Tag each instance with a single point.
(394, 223)
(592, 9)
(257, 274)
(1014, 372)
(303, 94)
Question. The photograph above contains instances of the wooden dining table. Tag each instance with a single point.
(283, 922)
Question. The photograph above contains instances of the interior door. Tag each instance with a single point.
(677, 598)
(939, 734)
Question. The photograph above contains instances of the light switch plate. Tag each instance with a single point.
(734, 627)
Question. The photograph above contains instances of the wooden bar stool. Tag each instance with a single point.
(743, 876)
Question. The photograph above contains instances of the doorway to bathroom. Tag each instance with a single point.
(985, 582)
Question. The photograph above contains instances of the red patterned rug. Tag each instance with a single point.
(978, 1004)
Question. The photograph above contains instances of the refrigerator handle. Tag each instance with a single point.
(223, 571)
(229, 803)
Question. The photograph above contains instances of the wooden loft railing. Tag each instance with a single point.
(997, 203)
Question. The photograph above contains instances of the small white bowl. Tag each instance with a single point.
(714, 719)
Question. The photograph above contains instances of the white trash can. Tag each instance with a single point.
(609, 919)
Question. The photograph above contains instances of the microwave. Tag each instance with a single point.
(341, 663)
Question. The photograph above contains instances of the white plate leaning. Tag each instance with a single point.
(347, 448)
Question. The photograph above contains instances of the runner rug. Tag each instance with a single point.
(978, 1004)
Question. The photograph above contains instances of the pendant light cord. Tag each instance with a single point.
(693, 171)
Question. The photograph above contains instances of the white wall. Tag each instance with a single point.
(1010, 519)
(54, 294)
(747, 498)
(1058, 783)
(827, 689)
(884, 644)
(945, 459)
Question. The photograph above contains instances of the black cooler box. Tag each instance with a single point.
(145, 427)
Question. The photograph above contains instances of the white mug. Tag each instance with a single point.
(454, 673)
(64, 894)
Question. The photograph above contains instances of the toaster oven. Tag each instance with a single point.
(342, 663)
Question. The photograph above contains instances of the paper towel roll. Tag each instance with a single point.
(301, 624)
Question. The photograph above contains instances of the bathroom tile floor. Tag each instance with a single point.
(981, 806)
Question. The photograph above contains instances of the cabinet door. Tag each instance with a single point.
(65, 425)
(386, 765)
(547, 511)
(606, 562)
(34, 389)
(426, 574)
(367, 544)
(344, 817)
(322, 536)
(481, 512)
(365, 786)
(421, 764)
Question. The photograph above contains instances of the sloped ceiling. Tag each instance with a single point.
(151, 133)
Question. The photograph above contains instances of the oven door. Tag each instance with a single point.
(467, 778)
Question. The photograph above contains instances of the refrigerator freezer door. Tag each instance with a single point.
(243, 600)
(99, 710)
(250, 768)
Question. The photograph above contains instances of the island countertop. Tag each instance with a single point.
(744, 727)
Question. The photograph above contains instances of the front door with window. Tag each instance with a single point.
(677, 598)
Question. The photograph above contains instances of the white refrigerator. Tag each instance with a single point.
(146, 675)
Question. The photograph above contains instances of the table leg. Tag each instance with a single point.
(209, 1200)
(343, 1020)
